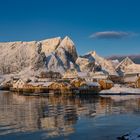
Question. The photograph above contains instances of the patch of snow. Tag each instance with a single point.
(121, 89)
(134, 135)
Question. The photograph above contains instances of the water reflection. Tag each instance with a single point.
(57, 116)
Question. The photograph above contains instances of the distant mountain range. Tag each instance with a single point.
(134, 58)
(28, 59)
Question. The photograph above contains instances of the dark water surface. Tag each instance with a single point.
(63, 118)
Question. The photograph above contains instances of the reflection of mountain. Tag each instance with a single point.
(56, 115)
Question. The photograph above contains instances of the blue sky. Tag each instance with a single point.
(107, 26)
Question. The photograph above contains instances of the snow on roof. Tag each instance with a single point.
(109, 81)
(92, 84)
(46, 84)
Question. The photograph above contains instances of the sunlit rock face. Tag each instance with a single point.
(50, 45)
(68, 45)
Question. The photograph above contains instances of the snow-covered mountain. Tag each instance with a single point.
(127, 66)
(123, 65)
(55, 54)
(52, 54)
(93, 62)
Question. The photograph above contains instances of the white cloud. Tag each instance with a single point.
(112, 35)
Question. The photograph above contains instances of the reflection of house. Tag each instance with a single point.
(106, 84)
(19, 84)
(133, 80)
(70, 74)
(48, 123)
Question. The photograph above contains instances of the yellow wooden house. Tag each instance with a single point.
(106, 84)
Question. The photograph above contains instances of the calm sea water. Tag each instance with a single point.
(67, 118)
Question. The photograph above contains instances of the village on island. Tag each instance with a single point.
(73, 82)
(54, 67)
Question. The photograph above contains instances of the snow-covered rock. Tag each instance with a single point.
(134, 135)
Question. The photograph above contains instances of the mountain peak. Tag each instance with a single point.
(67, 40)
(127, 59)
(67, 37)
(124, 63)
(93, 53)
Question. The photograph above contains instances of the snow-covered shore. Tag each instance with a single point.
(121, 89)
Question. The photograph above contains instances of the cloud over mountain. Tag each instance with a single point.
(111, 35)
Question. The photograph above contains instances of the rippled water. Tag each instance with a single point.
(58, 118)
